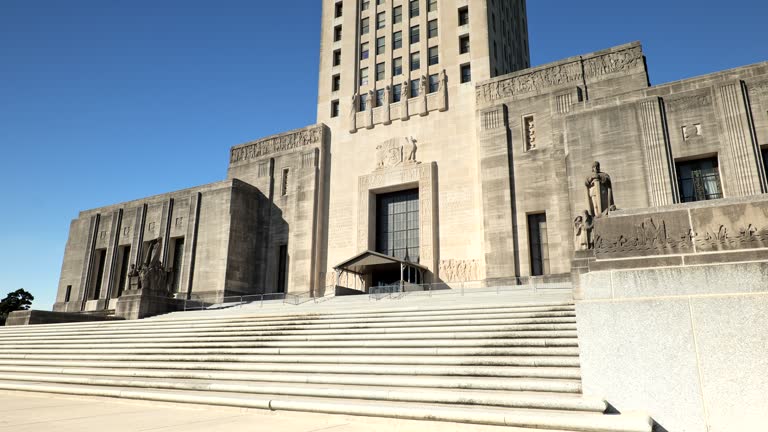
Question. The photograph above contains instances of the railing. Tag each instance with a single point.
(508, 285)
(230, 302)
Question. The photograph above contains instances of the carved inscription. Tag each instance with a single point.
(277, 144)
(688, 103)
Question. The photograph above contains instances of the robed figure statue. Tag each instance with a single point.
(599, 192)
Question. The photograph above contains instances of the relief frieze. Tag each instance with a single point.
(649, 237)
(745, 237)
(291, 141)
(561, 74)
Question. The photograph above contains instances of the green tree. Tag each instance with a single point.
(17, 300)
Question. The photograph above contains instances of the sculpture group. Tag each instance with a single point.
(600, 203)
(151, 275)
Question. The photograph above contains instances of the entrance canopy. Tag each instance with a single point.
(368, 261)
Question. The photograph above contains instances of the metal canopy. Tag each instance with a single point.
(364, 263)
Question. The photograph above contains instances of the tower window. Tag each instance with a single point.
(379, 71)
(466, 73)
(337, 33)
(415, 61)
(434, 56)
(339, 10)
(335, 108)
(432, 29)
(464, 44)
(364, 50)
(381, 20)
(432, 6)
(397, 40)
(434, 83)
(365, 4)
(380, 45)
(415, 34)
(414, 8)
(337, 57)
(336, 83)
(464, 16)
(397, 93)
(397, 15)
(365, 26)
(397, 66)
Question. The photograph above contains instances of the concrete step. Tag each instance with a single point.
(299, 339)
(308, 351)
(468, 383)
(421, 395)
(519, 324)
(533, 361)
(313, 368)
(576, 421)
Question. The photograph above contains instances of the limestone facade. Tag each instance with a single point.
(499, 162)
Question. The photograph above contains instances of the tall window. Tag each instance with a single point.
(397, 40)
(365, 26)
(380, 97)
(397, 224)
(336, 83)
(538, 244)
(434, 83)
(699, 180)
(363, 102)
(380, 71)
(339, 10)
(381, 20)
(414, 87)
(337, 57)
(434, 56)
(380, 45)
(464, 44)
(397, 93)
(415, 61)
(432, 29)
(466, 73)
(463, 16)
(414, 8)
(397, 66)
(335, 108)
(364, 50)
(397, 14)
(432, 6)
(415, 34)
(365, 4)
(363, 76)
(337, 33)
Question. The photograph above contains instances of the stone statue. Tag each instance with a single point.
(423, 86)
(388, 95)
(353, 114)
(411, 149)
(599, 192)
(583, 225)
(152, 275)
(443, 80)
(133, 272)
(406, 91)
(371, 100)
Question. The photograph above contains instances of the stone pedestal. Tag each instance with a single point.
(580, 265)
(137, 304)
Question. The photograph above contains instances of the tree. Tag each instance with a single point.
(17, 300)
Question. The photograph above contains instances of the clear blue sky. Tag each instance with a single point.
(102, 101)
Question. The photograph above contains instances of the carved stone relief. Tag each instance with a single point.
(395, 152)
(648, 236)
(692, 131)
(460, 270)
(277, 144)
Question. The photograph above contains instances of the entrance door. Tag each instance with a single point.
(282, 269)
(537, 241)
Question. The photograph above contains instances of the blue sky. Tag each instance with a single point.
(106, 101)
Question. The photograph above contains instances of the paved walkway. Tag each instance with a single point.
(33, 412)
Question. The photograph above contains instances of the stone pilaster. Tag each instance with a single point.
(662, 189)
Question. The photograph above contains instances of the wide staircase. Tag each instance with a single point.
(499, 362)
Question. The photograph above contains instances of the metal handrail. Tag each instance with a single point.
(228, 302)
(397, 291)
